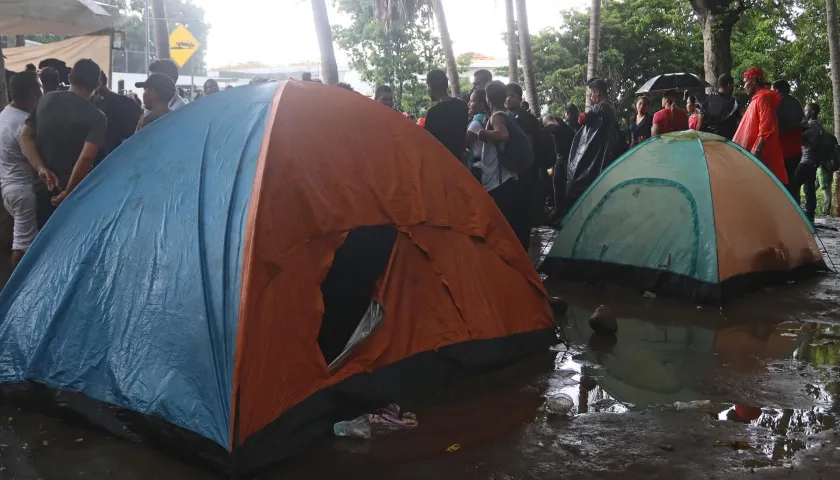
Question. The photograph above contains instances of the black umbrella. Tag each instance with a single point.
(673, 81)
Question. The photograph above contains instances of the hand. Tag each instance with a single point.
(56, 200)
(48, 177)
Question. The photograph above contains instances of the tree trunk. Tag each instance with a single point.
(594, 43)
(329, 69)
(513, 69)
(835, 185)
(20, 40)
(834, 55)
(446, 43)
(717, 43)
(160, 29)
(527, 57)
(717, 19)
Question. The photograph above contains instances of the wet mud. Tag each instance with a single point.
(681, 392)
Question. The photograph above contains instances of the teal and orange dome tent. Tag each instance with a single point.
(259, 264)
(687, 214)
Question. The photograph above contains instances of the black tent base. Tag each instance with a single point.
(298, 427)
(663, 282)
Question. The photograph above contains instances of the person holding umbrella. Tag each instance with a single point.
(671, 118)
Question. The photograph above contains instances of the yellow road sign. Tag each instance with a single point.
(182, 45)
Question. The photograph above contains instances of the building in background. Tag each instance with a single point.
(241, 74)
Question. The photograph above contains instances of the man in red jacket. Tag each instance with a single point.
(759, 129)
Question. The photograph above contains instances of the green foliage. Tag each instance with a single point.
(464, 63)
(399, 57)
(46, 38)
(639, 39)
(643, 38)
(789, 41)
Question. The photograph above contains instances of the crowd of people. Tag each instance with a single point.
(520, 159)
(772, 125)
(52, 135)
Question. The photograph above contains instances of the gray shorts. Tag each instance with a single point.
(19, 201)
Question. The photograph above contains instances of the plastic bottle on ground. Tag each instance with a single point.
(559, 404)
(356, 428)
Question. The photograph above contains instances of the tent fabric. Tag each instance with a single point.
(57, 17)
(405, 184)
(96, 47)
(186, 274)
(138, 275)
(685, 212)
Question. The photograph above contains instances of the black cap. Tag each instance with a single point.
(160, 83)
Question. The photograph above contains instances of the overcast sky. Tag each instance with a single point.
(281, 31)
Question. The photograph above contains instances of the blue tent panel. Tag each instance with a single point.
(154, 332)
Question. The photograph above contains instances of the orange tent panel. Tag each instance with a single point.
(754, 236)
(456, 272)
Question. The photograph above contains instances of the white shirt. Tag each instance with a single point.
(478, 145)
(176, 102)
(493, 173)
(14, 168)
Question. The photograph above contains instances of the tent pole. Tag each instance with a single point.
(146, 22)
(110, 59)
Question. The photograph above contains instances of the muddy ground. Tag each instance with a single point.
(766, 368)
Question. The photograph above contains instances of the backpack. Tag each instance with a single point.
(789, 114)
(719, 115)
(828, 151)
(545, 149)
(515, 154)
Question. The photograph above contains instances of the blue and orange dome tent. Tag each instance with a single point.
(260, 264)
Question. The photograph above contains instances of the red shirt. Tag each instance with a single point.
(760, 122)
(693, 121)
(671, 123)
(791, 143)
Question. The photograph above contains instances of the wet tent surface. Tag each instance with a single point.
(775, 354)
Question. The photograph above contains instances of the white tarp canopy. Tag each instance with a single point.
(56, 17)
(97, 47)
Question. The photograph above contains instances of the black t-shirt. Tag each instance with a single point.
(720, 115)
(63, 123)
(641, 130)
(447, 121)
(527, 122)
(122, 114)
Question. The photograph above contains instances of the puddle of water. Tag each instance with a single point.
(575, 379)
(656, 362)
(652, 363)
(781, 433)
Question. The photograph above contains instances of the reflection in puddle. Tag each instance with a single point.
(657, 364)
(652, 363)
(573, 378)
(790, 428)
